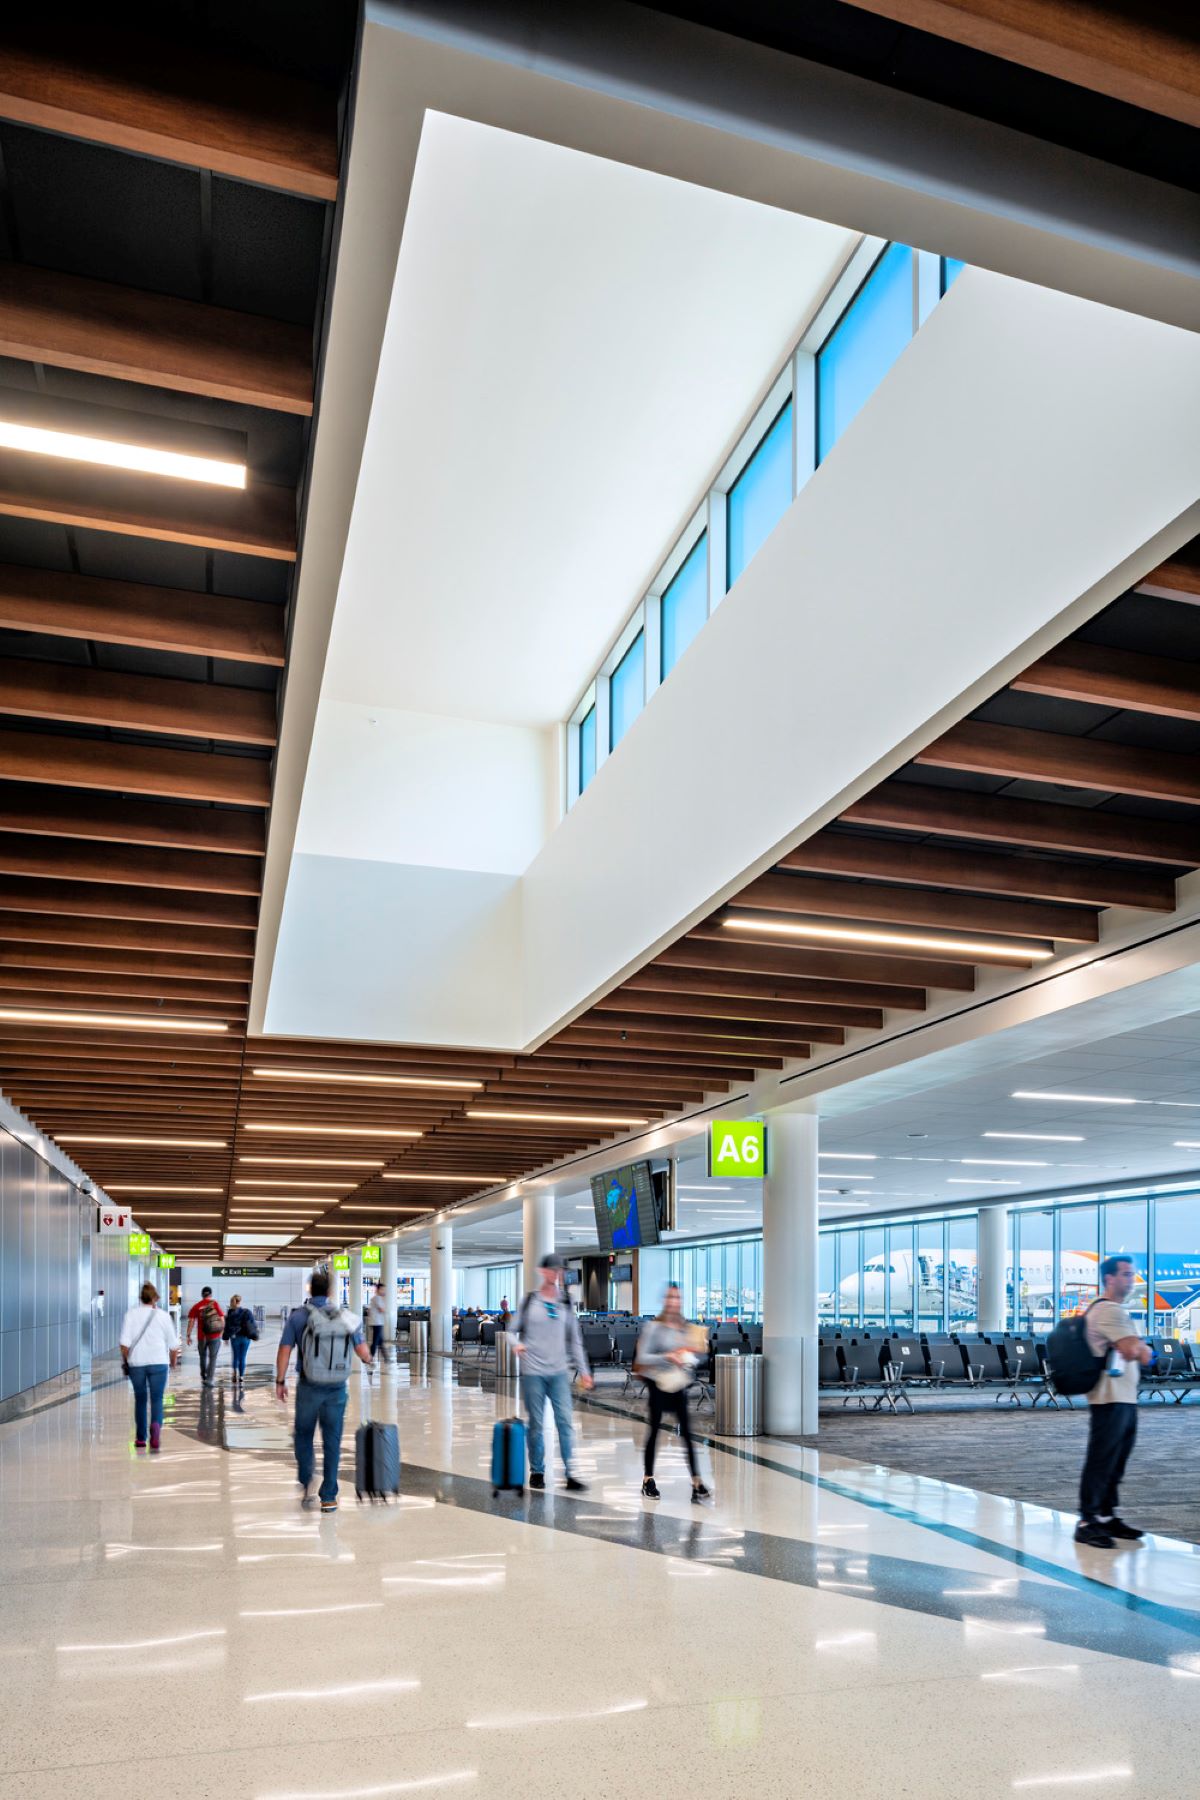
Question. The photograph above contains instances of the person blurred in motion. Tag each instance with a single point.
(377, 1310)
(504, 1316)
(550, 1344)
(666, 1358)
(149, 1347)
(241, 1330)
(326, 1337)
(207, 1322)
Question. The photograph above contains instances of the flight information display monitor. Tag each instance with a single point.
(626, 1217)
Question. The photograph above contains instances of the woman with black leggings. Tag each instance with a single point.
(666, 1359)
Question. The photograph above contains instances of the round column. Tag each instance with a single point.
(992, 1267)
(537, 1219)
(391, 1262)
(790, 1271)
(441, 1290)
(356, 1267)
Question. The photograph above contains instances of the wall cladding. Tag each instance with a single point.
(41, 1220)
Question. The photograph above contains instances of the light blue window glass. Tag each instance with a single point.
(952, 268)
(685, 604)
(627, 690)
(864, 344)
(587, 747)
(760, 496)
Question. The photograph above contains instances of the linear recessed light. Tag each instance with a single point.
(459, 1180)
(338, 1076)
(907, 940)
(845, 1175)
(337, 1187)
(1186, 1144)
(114, 438)
(554, 1118)
(349, 1212)
(366, 1131)
(850, 1155)
(1082, 1099)
(157, 1187)
(22, 1015)
(1000, 1162)
(158, 1143)
(162, 1219)
(1037, 1137)
(315, 1162)
(978, 1181)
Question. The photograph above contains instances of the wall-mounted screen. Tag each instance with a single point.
(625, 1213)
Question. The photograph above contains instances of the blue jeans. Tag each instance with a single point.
(149, 1385)
(557, 1390)
(326, 1406)
(239, 1347)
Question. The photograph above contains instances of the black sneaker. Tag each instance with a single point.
(650, 1489)
(575, 1486)
(700, 1492)
(537, 1483)
(1089, 1532)
(1117, 1528)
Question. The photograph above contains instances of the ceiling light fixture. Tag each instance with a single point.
(907, 940)
(1000, 1162)
(336, 1187)
(350, 1212)
(483, 1180)
(1080, 1099)
(157, 1187)
(554, 1118)
(978, 1181)
(315, 1162)
(160, 1216)
(850, 1155)
(366, 1131)
(43, 425)
(1037, 1137)
(1186, 1144)
(339, 1076)
(21, 1015)
(157, 1143)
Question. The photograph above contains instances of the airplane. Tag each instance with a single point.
(1177, 1283)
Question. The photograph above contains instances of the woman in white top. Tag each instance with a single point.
(149, 1345)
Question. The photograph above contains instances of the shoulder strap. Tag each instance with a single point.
(526, 1303)
(145, 1328)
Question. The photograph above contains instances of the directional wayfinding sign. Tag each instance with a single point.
(370, 1253)
(737, 1147)
(341, 1263)
(166, 1260)
(139, 1243)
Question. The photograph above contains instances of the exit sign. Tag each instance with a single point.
(139, 1243)
(165, 1260)
(370, 1253)
(341, 1264)
(737, 1147)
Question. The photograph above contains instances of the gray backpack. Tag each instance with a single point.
(326, 1346)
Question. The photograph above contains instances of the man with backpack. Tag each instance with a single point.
(326, 1338)
(549, 1345)
(1112, 1407)
(208, 1321)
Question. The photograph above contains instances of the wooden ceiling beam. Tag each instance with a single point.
(1107, 768)
(912, 906)
(709, 947)
(56, 860)
(632, 1027)
(104, 818)
(1178, 578)
(146, 964)
(1034, 824)
(1032, 877)
(711, 1006)
(34, 756)
(94, 900)
(118, 934)
(173, 98)
(1142, 56)
(128, 334)
(1098, 676)
(231, 998)
(739, 985)
(55, 603)
(170, 708)
(258, 520)
(740, 1050)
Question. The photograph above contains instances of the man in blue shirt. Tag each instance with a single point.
(323, 1402)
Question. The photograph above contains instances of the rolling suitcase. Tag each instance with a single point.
(508, 1455)
(376, 1462)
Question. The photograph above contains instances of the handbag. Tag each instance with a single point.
(137, 1340)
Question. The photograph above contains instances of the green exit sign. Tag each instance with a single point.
(165, 1260)
(341, 1264)
(737, 1147)
(370, 1253)
(139, 1243)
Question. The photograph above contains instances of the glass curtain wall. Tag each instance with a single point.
(503, 1283)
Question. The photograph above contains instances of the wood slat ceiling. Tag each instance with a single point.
(143, 623)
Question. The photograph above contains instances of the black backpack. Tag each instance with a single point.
(1070, 1362)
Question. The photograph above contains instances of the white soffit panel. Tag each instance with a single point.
(570, 345)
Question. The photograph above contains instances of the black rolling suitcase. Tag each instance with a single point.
(376, 1462)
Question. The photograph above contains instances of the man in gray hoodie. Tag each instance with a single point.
(549, 1345)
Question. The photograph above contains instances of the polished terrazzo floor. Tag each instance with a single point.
(827, 1627)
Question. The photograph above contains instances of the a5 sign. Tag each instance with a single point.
(370, 1253)
(738, 1148)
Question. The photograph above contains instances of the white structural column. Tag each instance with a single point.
(391, 1259)
(441, 1290)
(790, 1275)
(356, 1268)
(992, 1266)
(537, 1219)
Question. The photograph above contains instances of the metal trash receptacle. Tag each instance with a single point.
(507, 1362)
(739, 1396)
(418, 1338)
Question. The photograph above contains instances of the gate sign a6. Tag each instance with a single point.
(737, 1147)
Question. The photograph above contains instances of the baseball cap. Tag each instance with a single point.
(551, 1260)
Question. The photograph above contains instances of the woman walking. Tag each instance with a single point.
(241, 1330)
(666, 1359)
(149, 1346)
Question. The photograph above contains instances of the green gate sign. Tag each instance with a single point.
(166, 1260)
(341, 1263)
(139, 1243)
(370, 1253)
(737, 1147)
